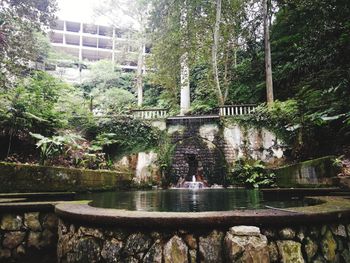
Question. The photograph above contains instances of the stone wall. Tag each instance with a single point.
(309, 243)
(312, 173)
(28, 237)
(36, 178)
(214, 144)
(217, 145)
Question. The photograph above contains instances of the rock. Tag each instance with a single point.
(193, 256)
(20, 250)
(324, 230)
(290, 251)
(345, 255)
(119, 234)
(34, 240)
(191, 241)
(175, 251)
(328, 246)
(5, 253)
(210, 247)
(314, 232)
(11, 222)
(93, 232)
(130, 260)
(50, 221)
(154, 254)
(269, 233)
(246, 248)
(319, 259)
(48, 238)
(156, 235)
(111, 250)
(245, 231)
(348, 229)
(137, 243)
(339, 230)
(86, 250)
(31, 221)
(273, 251)
(310, 248)
(72, 229)
(340, 244)
(287, 233)
(13, 239)
(301, 234)
(62, 228)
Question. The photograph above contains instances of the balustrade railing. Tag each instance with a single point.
(234, 110)
(150, 114)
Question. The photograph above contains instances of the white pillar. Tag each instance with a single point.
(184, 71)
(185, 85)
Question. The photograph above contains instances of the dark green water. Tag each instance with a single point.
(183, 200)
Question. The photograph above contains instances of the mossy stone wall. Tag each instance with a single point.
(35, 178)
(312, 173)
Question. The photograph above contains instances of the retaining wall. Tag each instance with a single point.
(28, 234)
(36, 178)
(303, 243)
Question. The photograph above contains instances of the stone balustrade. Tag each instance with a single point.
(150, 114)
(234, 110)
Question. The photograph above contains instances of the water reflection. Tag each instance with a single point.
(183, 200)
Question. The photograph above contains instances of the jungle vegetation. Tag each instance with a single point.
(225, 43)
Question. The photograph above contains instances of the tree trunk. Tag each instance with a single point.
(268, 69)
(215, 51)
(139, 76)
(185, 71)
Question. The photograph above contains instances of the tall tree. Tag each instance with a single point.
(268, 66)
(136, 13)
(216, 36)
(19, 23)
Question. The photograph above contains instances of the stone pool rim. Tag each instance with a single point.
(331, 208)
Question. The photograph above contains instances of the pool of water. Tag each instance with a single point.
(184, 200)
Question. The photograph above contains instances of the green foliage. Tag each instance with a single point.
(124, 135)
(51, 147)
(252, 174)
(165, 152)
(31, 105)
(19, 23)
(113, 101)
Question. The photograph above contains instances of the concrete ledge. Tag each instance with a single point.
(331, 208)
(30, 178)
(48, 206)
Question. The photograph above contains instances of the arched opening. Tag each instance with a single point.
(196, 156)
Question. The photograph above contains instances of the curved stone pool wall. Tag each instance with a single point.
(28, 233)
(314, 234)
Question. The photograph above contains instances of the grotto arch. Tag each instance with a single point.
(195, 152)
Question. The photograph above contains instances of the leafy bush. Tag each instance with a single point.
(252, 174)
(123, 135)
(51, 147)
(113, 101)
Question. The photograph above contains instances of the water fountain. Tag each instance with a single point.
(193, 184)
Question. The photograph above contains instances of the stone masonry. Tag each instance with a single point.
(28, 237)
(317, 243)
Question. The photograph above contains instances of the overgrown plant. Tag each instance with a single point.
(53, 146)
(252, 174)
(165, 157)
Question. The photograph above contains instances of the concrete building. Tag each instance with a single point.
(88, 43)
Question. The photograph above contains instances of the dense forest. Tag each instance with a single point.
(224, 46)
